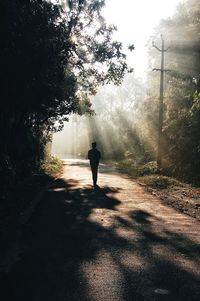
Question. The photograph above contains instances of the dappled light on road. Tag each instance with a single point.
(115, 242)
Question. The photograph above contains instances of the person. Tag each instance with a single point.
(94, 156)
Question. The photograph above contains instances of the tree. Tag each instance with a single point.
(181, 124)
(51, 59)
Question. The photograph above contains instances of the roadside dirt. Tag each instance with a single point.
(185, 199)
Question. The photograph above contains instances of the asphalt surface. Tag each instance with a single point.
(113, 243)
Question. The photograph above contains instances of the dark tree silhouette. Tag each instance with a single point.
(52, 58)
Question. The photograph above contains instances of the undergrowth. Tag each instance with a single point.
(159, 181)
(135, 169)
(52, 166)
(147, 173)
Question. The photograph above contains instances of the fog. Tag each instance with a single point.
(117, 125)
(125, 123)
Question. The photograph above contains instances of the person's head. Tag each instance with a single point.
(94, 144)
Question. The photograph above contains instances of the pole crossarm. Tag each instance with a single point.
(156, 47)
(164, 70)
(161, 50)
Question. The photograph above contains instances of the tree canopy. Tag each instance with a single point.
(52, 58)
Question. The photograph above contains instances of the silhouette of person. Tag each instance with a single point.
(94, 156)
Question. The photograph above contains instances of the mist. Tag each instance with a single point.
(116, 125)
(123, 125)
(126, 117)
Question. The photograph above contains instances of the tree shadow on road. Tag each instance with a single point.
(170, 258)
(63, 238)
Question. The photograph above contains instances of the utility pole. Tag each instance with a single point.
(160, 119)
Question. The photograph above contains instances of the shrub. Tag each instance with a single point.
(159, 182)
(148, 168)
(51, 165)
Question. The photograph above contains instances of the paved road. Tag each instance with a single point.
(114, 243)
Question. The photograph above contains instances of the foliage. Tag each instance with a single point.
(181, 143)
(51, 165)
(135, 169)
(52, 59)
(127, 166)
(58, 54)
(148, 168)
(159, 182)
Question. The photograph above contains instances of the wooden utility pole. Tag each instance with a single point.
(160, 119)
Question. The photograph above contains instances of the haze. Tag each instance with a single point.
(135, 21)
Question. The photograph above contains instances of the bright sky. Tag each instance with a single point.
(135, 20)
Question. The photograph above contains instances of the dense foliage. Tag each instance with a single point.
(181, 130)
(52, 58)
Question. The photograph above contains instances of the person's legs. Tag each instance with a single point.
(94, 169)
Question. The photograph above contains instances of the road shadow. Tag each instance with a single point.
(62, 238)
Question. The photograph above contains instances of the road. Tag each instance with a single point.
(114, 243)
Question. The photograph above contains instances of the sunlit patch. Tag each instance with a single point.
(161, 291)
(74, 39)
(68, 201)
(132, 259)
(103, 277)
(57, 189)
(128, 234)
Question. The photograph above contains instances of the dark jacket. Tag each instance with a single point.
(94, 156)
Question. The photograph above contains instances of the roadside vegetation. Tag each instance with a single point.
(148, 174)
(51, 166)
(182, 196)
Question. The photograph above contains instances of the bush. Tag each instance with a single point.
(51, 165)
(148, 168)
(159, 182)
(128, 166)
